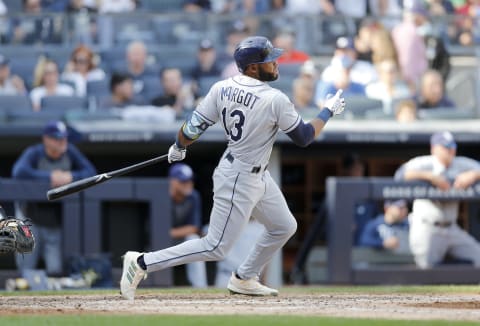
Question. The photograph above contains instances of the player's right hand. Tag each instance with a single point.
(336, 103)
(176, 153)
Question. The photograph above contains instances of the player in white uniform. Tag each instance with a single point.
(251, 113)
(434, 232)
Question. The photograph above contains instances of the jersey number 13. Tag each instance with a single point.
(235, 132)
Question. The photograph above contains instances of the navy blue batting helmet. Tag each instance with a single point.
(255, 49)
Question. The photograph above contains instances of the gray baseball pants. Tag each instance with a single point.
(238, 194)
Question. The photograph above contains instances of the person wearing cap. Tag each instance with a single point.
(186, 217)
(207, 64)
(434, 232)
(56, 162)
(10, 84)
(389, 230)
(360, 71)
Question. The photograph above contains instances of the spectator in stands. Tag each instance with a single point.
(303, 91)
(59, 6)
(389, 87)
(409, 43)
(196, 6)
(382, 46)
(77, 6)
(122, 94)
(207, 64)
(438, 56)
(463, 31)
(137, 65)
(82, 68)
(389, 230)
(237, 32)
(3, 8)
(10, 84)
(351, 8)
(341, 80)
(176, 94)
(385, 9)
(46, 83)
(186, 216)
(432, 92)
(36, 28)
(363, 38)
(361, 72)
(309, 7)
(440, 7)
(434, 231)
(57, 162)
(116, 6)
(286, 40)
(406, 111)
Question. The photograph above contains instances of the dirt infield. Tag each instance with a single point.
(391, 306)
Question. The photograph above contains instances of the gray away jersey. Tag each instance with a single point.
(251, 112)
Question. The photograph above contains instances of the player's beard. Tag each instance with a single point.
(266, 76)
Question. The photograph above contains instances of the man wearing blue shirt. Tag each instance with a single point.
(389, 230)
(186, 217)
(58, 162)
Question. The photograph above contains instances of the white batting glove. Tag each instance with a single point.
(176, 153)
(336, 103)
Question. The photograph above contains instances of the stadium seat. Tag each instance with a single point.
(15, 103)
(14, 6)
(137, 27)
(24, 67)
(62, 103)
(446, 114)
(162, 6)
(357, 106)
(98, 88)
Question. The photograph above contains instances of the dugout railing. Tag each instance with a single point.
(341, 195)
(90, 218)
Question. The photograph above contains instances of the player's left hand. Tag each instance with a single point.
(176, 153)
(336, 103)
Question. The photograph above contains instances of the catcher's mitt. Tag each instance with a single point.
(15, 236)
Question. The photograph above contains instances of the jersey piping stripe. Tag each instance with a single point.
(262, 84)
(221, 237)
(204, 117)
(293, 125)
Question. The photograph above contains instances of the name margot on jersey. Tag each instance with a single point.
(238, 95)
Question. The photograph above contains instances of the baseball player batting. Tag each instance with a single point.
(251, 112)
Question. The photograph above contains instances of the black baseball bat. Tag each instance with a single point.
(79, 185)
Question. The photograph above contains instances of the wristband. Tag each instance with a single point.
(324, 115)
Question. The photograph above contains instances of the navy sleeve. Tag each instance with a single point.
(370, 236)
(303, 134)
(81, 166)
(26, 165)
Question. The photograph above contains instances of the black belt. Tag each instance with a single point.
(445, 224)
(255, 169)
